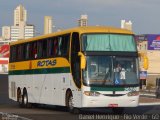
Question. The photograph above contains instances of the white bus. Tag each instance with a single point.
(84, 67)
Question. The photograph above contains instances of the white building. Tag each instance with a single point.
(20, 15)
(47, 24)
(20, 29)
(24, 32)
(29, 31)
(83, 21)
(6, 32)
(126, 25)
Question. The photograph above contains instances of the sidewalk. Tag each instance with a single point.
(144, 101)
(148, 98)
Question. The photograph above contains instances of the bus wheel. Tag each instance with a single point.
(19, 97)
(70, 104)
(119, 110)
(25, 100)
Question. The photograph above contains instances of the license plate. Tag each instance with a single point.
(113, 105)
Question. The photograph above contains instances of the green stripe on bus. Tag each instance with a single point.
(107, 88)
(41, 71)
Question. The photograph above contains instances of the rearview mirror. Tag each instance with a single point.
(83, 60)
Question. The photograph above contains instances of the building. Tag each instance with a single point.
(20, 15)
(126, 25)
(142, 51)
(20, 29)
(83, 21)
(149, 48)
(19, 33)
(47, 24)
(29, 31)
(6, 32)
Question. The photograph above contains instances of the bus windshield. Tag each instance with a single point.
(110, 70)
(108, 42)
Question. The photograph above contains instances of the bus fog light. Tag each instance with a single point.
(90, 93)
(133, 93)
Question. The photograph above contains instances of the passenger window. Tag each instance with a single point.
(59, 52)
(50, 47)
(58, 46)
(13, 54)
(35, 50)
(55, 48)
(39, 44)
(27, 49)
(44, 48)
(65, 45)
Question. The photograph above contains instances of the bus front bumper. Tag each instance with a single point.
(105, 101)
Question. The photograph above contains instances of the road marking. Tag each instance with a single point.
(6, 116)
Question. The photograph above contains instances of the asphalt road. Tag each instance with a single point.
(42, 112)
(4, 89)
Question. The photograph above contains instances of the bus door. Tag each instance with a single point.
(75, 67)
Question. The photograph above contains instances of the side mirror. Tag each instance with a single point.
(145, 62)
(83, 60)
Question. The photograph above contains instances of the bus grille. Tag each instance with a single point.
(114, 95)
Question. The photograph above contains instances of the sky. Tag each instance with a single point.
(144, 14)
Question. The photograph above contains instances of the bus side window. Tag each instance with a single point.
(44, 48)
(30, 50)
(27, 49)
(65, 45)
(13, 54)
(59, 46)
(50, 47)
(55, 48)
(21, 53)
(59, 50)
(18, 52)
(39, 51)
(35, 50)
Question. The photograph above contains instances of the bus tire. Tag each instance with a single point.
(25, 100)
(19, 97)
(70, 103)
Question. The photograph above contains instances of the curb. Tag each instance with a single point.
(151, 95)
(148, 104)
(7, 116)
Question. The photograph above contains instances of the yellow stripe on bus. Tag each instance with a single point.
(39, 64)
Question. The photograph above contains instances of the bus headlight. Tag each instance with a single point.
(133, 93)
(90, 93)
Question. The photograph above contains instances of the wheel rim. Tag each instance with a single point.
(70, 103)
(25, 100)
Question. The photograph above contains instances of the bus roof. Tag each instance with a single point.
(81, 30)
